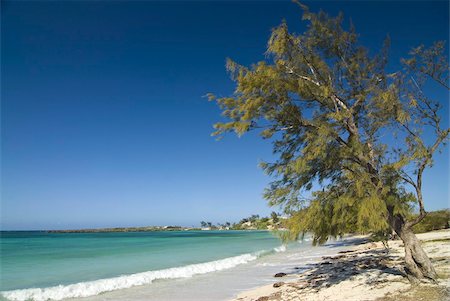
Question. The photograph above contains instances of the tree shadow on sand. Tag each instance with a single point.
(335, 269)
(355, 241)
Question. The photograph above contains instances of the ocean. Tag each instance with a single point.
(175, 265)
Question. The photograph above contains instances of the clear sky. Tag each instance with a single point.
(104, 122)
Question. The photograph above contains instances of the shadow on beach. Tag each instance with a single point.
(352, 241)
(335, 269)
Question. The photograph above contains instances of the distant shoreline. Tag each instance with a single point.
(125, 229)
(144, 229)
(253, 222)
(105, 230)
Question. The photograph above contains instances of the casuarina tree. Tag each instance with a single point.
(345, 130)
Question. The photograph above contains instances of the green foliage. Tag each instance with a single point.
(274, 217)
(347, 209)
(325, 102)
(256, 222)
(435, 220)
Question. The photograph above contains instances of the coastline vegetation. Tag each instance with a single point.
(253, 222)
(122, 229)
(435, 220)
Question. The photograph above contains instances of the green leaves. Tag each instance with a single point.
(372, 216)
(326, 104)
(431, 62)
(279, 40)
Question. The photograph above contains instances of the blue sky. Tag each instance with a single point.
(104, 122)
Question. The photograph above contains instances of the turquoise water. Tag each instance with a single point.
(40, 259)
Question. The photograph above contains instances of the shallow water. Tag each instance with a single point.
(204, 265)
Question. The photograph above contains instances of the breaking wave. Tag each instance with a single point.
(92, 288)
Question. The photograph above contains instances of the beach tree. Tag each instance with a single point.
(351, 138)
(253, 217)
(274, 217)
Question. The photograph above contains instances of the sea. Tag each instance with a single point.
(160, 265)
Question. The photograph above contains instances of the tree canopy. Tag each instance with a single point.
(343, 127)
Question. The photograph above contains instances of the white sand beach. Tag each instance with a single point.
(362, 273)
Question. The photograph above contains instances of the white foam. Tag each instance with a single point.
(92, 288)
(280, 249)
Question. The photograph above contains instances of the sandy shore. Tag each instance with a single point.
(365, 272)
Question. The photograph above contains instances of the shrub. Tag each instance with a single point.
(434, 220)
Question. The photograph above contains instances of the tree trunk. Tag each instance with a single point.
(417, 264)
